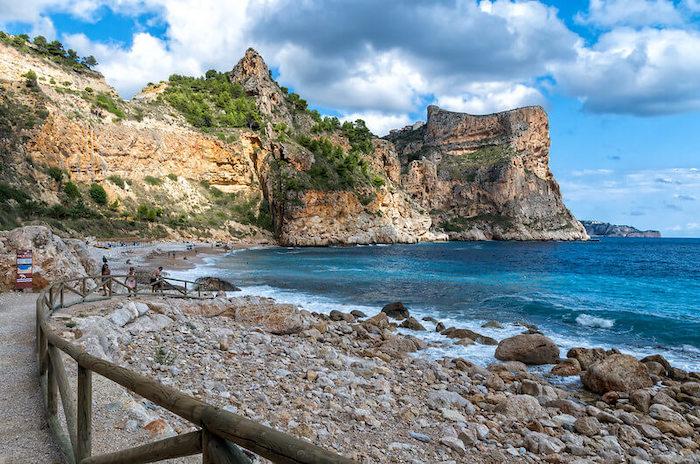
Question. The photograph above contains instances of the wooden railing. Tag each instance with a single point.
(220, 432)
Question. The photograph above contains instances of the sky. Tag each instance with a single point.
(620, 79)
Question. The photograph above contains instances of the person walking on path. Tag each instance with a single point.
(106, 281)
(131, 281)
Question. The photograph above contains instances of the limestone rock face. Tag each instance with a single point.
(54, 259)
(529, 349)
(485, 177)
(617, 372)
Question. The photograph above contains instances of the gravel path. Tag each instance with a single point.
(24, 433)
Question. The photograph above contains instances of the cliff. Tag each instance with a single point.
(485, 177)
(234, 156)
(605, 229)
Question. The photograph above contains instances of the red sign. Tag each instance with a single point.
(24, 269)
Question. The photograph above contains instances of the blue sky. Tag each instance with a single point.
(619, 78)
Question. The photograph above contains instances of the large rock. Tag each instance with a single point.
(617, 372)
(529, 349)
(523, 407)
(454, 332)
(587, 356)
(396, 310)
(54, 258)
(277, 319)
(412, 324)
(215, 284)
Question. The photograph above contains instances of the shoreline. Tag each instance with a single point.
(687, 357)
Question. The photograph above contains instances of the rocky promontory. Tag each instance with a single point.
(605, 229)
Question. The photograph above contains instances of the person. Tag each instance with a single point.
(131, 281)
(156, 283)
(106, 281)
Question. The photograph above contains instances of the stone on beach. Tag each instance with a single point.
(396, 310)
(454, 332)
(531, 349)
(412, 324)
(617, 372)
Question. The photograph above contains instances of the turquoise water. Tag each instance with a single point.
(641, 295)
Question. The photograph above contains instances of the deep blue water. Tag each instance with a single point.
(639, 294)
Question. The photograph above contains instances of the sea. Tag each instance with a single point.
(641, 296)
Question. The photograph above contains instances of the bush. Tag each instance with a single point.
(71, 190)
(150, 180)
(212, 101)
(104, 101)
(172, 177)
(98, 194)
(55, 173)
(359, 136)
(117, 180)
(148, 213)
(31, 79)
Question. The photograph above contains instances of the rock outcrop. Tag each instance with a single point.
(485, 177)
(54, 258)
(605, 229)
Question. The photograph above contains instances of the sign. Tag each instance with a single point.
(24, 269)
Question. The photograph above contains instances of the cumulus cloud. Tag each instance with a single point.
(477, 56)
(608, 13)
(643, 72)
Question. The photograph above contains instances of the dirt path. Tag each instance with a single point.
(24, 433)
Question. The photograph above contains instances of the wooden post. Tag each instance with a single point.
(222, 452)
(59, 372)
(206, 459)
(51, 393)
(83, 287)
(84, 445)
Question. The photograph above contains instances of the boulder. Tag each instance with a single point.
(53, 258)
(412, 324)
(430, 319)
(439, 327)
(396, 310)
(523, 407)
(657, 358)
(587, 426)
(380, 321)
(530, 349)
(214, 284)
(277, 319)
(566, 368)
(336, 315)
(454, 332)
(617, 372)
(587, 356)
(358, 314)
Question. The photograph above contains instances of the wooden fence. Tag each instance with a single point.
(220, 432)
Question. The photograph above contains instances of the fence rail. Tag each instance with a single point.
(220, 432)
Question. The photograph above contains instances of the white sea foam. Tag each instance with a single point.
(592, 321)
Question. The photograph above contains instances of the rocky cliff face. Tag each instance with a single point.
(457, 176)
(485, 177)
(605, 229)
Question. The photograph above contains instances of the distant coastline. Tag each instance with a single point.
(605, 229)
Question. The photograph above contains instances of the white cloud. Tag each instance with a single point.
(644, 72)
(591, 172)
(380, 123)
(491, 97)
(611, 13)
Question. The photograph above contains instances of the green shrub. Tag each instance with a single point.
(172, 177)
(55, 173)
(98, 194)
(212, 101)
(359, 136)
(148, 213)
(150, 180)
(104, 101)
(89, 89)
(71, 190)
(327, 124)
(31, 79)
(117, 180)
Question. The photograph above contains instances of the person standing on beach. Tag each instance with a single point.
(106, 282)
(131, 281)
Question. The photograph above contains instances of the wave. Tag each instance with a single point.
(592, 321)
